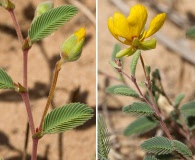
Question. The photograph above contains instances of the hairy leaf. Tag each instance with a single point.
(182, 149)
(138, 109)
(134, 62)
(150, 157)
(191, 32)
(66, 117)
(103, 139)
(116, 49)
(140, 126)
(178, 100)
(188, 109)
(126, 92)
(157, 145)
(111, 89)
(5, 80)
(50, 21)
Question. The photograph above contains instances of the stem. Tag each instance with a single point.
(34, 149)
(25, 95)
(133, 79)
(29, 113)
(143, 66)
(51, 92)
(16, 25)
(25, 68)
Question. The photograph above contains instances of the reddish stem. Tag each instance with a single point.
(25, 68)
(34, 149)
(25, 95)
(17, 27)
(29, 113)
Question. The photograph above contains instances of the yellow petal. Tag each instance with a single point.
(156, 23)
(111, 26)
(119, 28)
(137, 20)
(81, 33)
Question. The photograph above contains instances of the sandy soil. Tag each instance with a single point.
(178, 75)
(76, 83)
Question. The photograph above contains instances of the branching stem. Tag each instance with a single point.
(25, 95)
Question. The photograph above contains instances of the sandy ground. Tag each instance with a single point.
(76, 83)
(178, 75)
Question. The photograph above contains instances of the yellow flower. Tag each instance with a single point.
(130, 30)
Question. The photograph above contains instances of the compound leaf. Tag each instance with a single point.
(103, 139)
(111, 89)
(50, 21)
(188, 109)
(182, 149)
(140, 126)
(5, 80)
(150, 157)
(66, 117)
(126, 92)
(138, 109)
(134, 61)
(157, 145)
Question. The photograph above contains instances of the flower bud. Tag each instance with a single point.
(42, 8)
(72, 47)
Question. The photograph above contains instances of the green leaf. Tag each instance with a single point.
(116, 49)
(156, 74)
(5, 80)
(126, 92)
(188, 109)
(157, 145)
(178, 100)
(66, 117)
(138, 109)
(50, 21)
(150, 157)
(182, 149)
(111, 89)
(166, 157)
(140, 126)
(148, 70)
(134, 61)
(191, 32)
(103, 139)
(190, 121)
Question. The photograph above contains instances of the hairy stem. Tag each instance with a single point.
(16, 25)
(163, 125)
(51, 92)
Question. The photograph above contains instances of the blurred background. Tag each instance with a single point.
(174, 56)
(77, 83)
